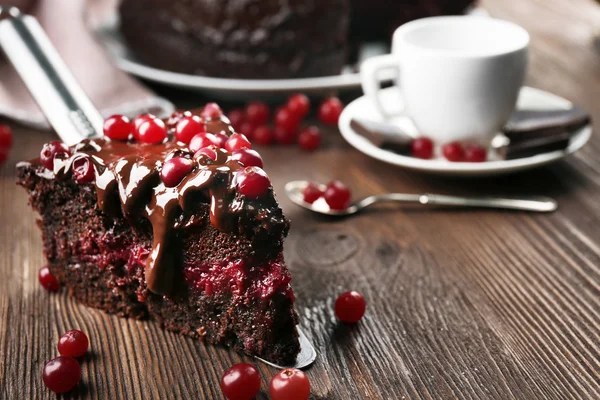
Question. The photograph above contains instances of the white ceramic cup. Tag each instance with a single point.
(459, 77)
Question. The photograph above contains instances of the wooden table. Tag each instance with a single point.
(461, 304)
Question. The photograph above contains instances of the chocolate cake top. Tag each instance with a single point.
(130, 181)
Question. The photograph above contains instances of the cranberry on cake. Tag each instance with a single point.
(141, 226)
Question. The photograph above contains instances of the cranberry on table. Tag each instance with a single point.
(257, 112)
(209, 152)
(310, 138)
(475, 153)
(174, 170)
(454, 152)
(188, 127)
(284, 137)
(248, 129)
(73, 343)
(211, 111)
(350, 307)
(50, 150)
(237, 141)
(253, 182)
(6, 137)
(299, 105)
(236, 117)
(220, 139)
(422, 148)
(151, 131)
(286, 120)
(264, 135)
(47, 280)
(248, 157)
(83, 170)
(201, 140)
(62, 374)
(312, 193)
(290, 384)
(330, 110)
(337, 195)
(117, 127)
(241, 382)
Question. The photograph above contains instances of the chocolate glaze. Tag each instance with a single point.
(128, 183)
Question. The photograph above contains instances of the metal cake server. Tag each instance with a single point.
(64, 103)
(295, 189)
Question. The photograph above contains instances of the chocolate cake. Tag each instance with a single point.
(239, 38)
(200, 257)
(253, 39)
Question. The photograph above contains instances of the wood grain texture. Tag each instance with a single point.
(461, 304)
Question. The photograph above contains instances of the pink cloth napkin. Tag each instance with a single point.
(66, 23)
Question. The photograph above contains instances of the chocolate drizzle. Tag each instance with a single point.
(128, 183)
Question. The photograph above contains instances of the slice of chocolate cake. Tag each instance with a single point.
(193, 241)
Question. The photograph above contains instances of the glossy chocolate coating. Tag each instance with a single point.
(128, 183)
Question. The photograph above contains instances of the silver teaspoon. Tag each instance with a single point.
(294, 191)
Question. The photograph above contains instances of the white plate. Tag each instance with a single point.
(529, 98)
(109, 36)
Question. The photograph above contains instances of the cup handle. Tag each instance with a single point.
(371, 82)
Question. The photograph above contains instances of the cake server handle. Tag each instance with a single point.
(64, 103)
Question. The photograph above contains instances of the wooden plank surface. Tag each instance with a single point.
(461, 304)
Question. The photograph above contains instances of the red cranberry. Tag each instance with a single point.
(220, 139)
(6, 137)
(117, 127)
(188, 127)
(241, 382)
(83, 170)
(211, 111)
(310, 138)
(209, 152)
(73, 344)
(253, 182)
(62, 374)
(139, 120)
(47, 280)
(237, 141)
(248, 129)
(330, 110)
(248, 157)
(453, 152)
(174, 170)
(474, 153)
(299, 105)
(264, 135)
(350, 307)
(257, 112)
(422, 148)
(284, 137)
(290, 384)
(236, 118)
(286, 120)
(201, 140)
(151, 131)
(50, 150)
(312, 193)
(337, 195)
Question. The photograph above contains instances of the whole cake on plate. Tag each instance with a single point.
(192, 240)
(275, 39)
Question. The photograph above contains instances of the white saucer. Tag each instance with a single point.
(529, 98)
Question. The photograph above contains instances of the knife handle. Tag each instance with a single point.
(66, 106)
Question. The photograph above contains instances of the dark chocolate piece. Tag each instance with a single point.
(529, 148)
(528, 124)
(383, 135)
